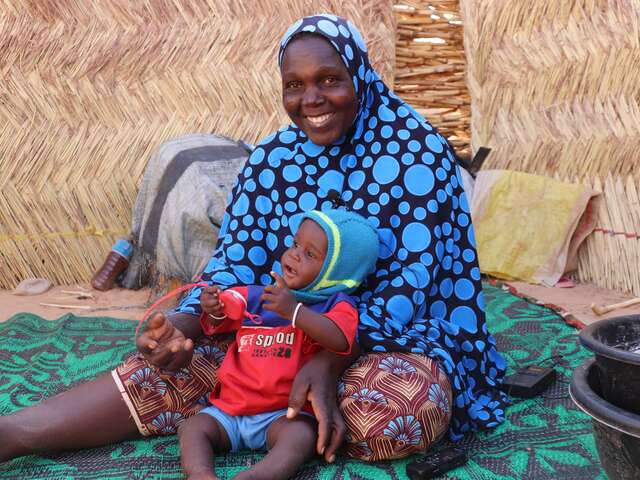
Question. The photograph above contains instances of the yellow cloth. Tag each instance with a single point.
(529, 227)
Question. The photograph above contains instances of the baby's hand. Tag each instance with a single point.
(278, 298)
(210, 301)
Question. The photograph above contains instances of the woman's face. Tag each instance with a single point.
(317, 91)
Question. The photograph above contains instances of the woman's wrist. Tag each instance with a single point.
(187, 323)
(335, 364)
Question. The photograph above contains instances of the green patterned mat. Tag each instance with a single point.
(543, 438)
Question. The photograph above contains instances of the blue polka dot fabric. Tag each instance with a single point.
(395, 169)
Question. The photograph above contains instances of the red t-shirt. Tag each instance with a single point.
(261, 364)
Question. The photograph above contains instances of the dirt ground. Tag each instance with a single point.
(80, 299)
(578, 300)
(118, 302)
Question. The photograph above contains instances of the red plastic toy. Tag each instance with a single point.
(235, 307)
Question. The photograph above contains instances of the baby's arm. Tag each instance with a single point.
(320, 328)
(213, 319)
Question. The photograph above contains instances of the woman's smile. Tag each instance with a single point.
(319, 121)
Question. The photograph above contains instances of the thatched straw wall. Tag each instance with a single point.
(91, 88)
(430, 66)
(555, 89)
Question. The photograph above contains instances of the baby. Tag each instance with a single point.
(285, 324)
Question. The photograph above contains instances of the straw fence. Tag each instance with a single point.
(90, 88)
(430, 66)
(611, 256)
(555, 89)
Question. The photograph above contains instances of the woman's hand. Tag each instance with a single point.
(317, 382)
(210, 301)
(278, 298)
(163, 345)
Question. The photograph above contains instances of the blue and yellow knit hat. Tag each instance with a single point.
(352, 252)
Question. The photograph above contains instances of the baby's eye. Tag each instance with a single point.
(310, 254)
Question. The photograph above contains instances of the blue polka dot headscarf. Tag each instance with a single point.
(343, 36)
(397, 171)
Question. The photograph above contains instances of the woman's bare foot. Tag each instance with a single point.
(7, 448)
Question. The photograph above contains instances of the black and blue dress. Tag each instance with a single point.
(395, 169)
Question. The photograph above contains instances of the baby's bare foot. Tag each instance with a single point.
(203, 476)
(255, 474)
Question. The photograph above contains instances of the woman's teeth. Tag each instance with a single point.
(320, 120)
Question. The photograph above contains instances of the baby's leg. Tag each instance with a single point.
(291, 443)
(200, 436)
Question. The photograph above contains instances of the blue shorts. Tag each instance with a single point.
(246, 431)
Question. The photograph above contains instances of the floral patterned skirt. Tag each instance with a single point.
(394, 404)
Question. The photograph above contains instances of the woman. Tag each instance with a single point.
(352, 142)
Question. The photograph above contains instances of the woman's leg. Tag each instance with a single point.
(394, 405)
(291, 443)
(89, 415)
(95, 413)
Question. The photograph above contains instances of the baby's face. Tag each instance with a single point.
(302, 262)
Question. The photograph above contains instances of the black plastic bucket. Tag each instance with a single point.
(617, 432)
(618, 368)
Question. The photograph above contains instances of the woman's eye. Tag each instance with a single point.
(292, 85)
(330, 80)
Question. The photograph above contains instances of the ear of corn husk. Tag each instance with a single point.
(90, 89)
(554, 91)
